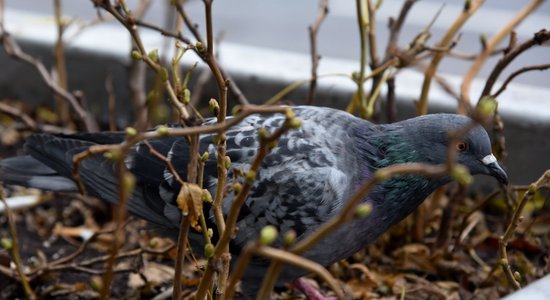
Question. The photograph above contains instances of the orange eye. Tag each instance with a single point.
(461, 146)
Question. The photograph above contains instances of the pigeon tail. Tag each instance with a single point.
(49, 167)
(30, 172)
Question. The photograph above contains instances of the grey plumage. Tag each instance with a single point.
(302, 183)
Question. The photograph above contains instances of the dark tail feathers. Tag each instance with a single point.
(28, 171)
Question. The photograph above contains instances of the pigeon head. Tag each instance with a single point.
(430, 136)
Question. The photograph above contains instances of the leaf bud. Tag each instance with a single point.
(268, 235)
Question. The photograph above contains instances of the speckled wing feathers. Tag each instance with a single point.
(301, 183)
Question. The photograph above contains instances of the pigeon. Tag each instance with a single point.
(304, 181)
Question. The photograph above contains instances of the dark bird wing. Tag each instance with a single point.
(300, 184)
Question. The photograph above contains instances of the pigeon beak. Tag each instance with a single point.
(494, 169)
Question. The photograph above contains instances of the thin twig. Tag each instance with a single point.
(315, 57)
(293, 259)
(538, 38)
(129, 22)
(85, 266)
(60, 65)
(446, 40)
(125, 188)
(111, 101)
(359, 99)
(185, 222)
(70, 257)
(15, 248)
(464, 104)
(29, 122)
(544, 180)
(217, 70)
(238, 271)
(391, 49)
(448, 218)
(222, 246)
(463, 55)
(517, 73)
(180, 255)
(460, 236)
(13, 50)
(374, 59)
(270, 278)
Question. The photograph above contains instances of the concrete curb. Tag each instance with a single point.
(261, 73)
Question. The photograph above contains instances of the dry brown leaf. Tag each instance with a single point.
(367, 276)
(10, 136)
(414, 257)
(155, 274)
(190, 202)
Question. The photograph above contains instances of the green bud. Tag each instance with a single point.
(236, 110)
(206, 196)
(289, 113)
(96, 282)
(237, 187)
(186, 96)
(227, 162)
(114, 155)
(461, 174)
(263, 133)
(272, 145)
(129, 182)
(289, 238)
(503, 262)
(205, 156)
(532, 188)
(483, 39)
(200, 47)
(250, 176)
(487, 106)
(154, 55)
(209, 250)
(210, 232)
(295, 123)
(108, 155)
(363, 210)
(131, 132)
(268, 235)
(214, 106)
(153, 243)
(136, 55)
(6, 243)
(162, 130)
(517, 276)
(467, 5)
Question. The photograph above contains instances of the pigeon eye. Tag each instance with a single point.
(462, 146)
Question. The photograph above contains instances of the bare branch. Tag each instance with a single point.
(464, 104)
(12, 49)
(517, 73)
(315, 57)
(538, 38)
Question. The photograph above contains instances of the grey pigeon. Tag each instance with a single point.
(303, 182)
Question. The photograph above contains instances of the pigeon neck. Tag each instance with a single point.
(395, 198)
